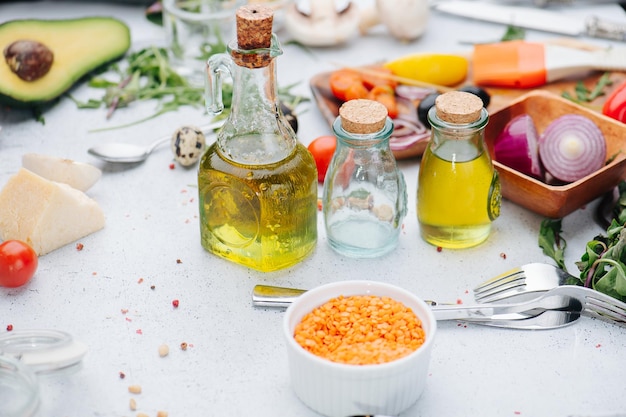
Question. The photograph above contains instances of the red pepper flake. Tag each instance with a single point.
(319, 204)
(175, 303)
(139, 331)
(183, 191)
(152, 287)
(124, 310)
(94, 274)
(172, 166)
(140, 280)
(178, 261)
(79, 246)
(517, 413)
(184, 346)
(122, 375)
(192, 199)
(459, 301)
(128, 319)
(502, 255)
(9, 327)
(598, 345)
(439, 249)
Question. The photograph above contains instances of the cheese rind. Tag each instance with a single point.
(46, 214)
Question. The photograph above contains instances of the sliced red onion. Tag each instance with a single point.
(413, 93)
(407, 133)
(572, 147)
(517, 146)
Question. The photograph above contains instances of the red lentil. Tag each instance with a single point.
(360, 330)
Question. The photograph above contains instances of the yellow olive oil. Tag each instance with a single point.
(260, 216)
(457, 200)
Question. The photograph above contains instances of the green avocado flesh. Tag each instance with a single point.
(79, 46)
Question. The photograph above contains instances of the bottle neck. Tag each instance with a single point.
(378, 139)
(457, 142)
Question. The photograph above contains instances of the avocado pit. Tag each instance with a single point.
(30, 60)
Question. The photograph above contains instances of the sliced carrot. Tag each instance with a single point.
(371, 80)
(386, 96)
(341, 80)
(355, 91)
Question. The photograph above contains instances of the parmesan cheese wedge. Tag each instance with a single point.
(46, 214)
(77, 174)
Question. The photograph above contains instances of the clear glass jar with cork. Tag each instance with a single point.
(257, 183)
(364, 199)
(458, 194)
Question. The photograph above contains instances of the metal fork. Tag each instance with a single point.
(521, 283)
(531, 280)
(551, 310)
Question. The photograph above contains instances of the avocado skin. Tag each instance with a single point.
(79, 46)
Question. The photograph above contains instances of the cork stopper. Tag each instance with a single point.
(254, 26)
(254, 31)
(458, 107)
(362, 116)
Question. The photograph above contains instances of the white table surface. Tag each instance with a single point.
(235, 364)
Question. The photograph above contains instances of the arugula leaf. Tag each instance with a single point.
(551, 241)
(148, 76)
(584, 94)
(513, 33)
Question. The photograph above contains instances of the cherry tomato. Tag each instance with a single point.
(18, 263)
(615, 104)
(322, 149)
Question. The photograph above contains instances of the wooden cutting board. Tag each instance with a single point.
(500, 98)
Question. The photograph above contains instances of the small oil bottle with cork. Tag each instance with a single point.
(458, 194)
(364, 199)
(257, 183)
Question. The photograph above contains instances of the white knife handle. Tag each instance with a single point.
(599, 28)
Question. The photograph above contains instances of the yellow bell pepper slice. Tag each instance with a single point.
(440, 69)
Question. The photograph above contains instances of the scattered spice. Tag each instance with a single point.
(140, 281)
(175, 303)
(9, 327)
(122, 375)
(152, 287)
(162, 413)
(124, 310)
(142, 415)
(360, 330)
(183, 346)
(134, 389)
(172, 166)
(132, 404)
(139, 331)
(79, 246)
(178, 261)
(439, 249)
(164, 350)
(502, 255)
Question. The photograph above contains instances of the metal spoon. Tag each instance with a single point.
(128, 153)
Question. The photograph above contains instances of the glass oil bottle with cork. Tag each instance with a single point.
(458, 194)
(257, 183)
(364, 199)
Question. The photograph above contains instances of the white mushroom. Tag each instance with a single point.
(405, 20)
(322, 22)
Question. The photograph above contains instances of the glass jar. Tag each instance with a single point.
(364, 197)
(458, 194)
(257, 183)
(27, 354)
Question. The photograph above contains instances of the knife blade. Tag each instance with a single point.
(536, 19)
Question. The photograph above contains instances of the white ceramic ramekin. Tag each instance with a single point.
(340, 390)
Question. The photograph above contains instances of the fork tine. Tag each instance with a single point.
(601, 306)
(511, 276)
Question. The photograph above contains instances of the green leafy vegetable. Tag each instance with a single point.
(148, 76)
(585, 95)
(552, 242)
(513, 33)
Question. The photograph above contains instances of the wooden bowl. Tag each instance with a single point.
(557, 201)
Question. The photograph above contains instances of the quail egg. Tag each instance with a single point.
(188, 144)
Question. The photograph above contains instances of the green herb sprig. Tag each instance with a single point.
(586, 95)
(147, 75)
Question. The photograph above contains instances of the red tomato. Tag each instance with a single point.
(18, 263)
(615, 104)
(322, 149)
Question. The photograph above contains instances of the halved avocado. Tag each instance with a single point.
(78, 45)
